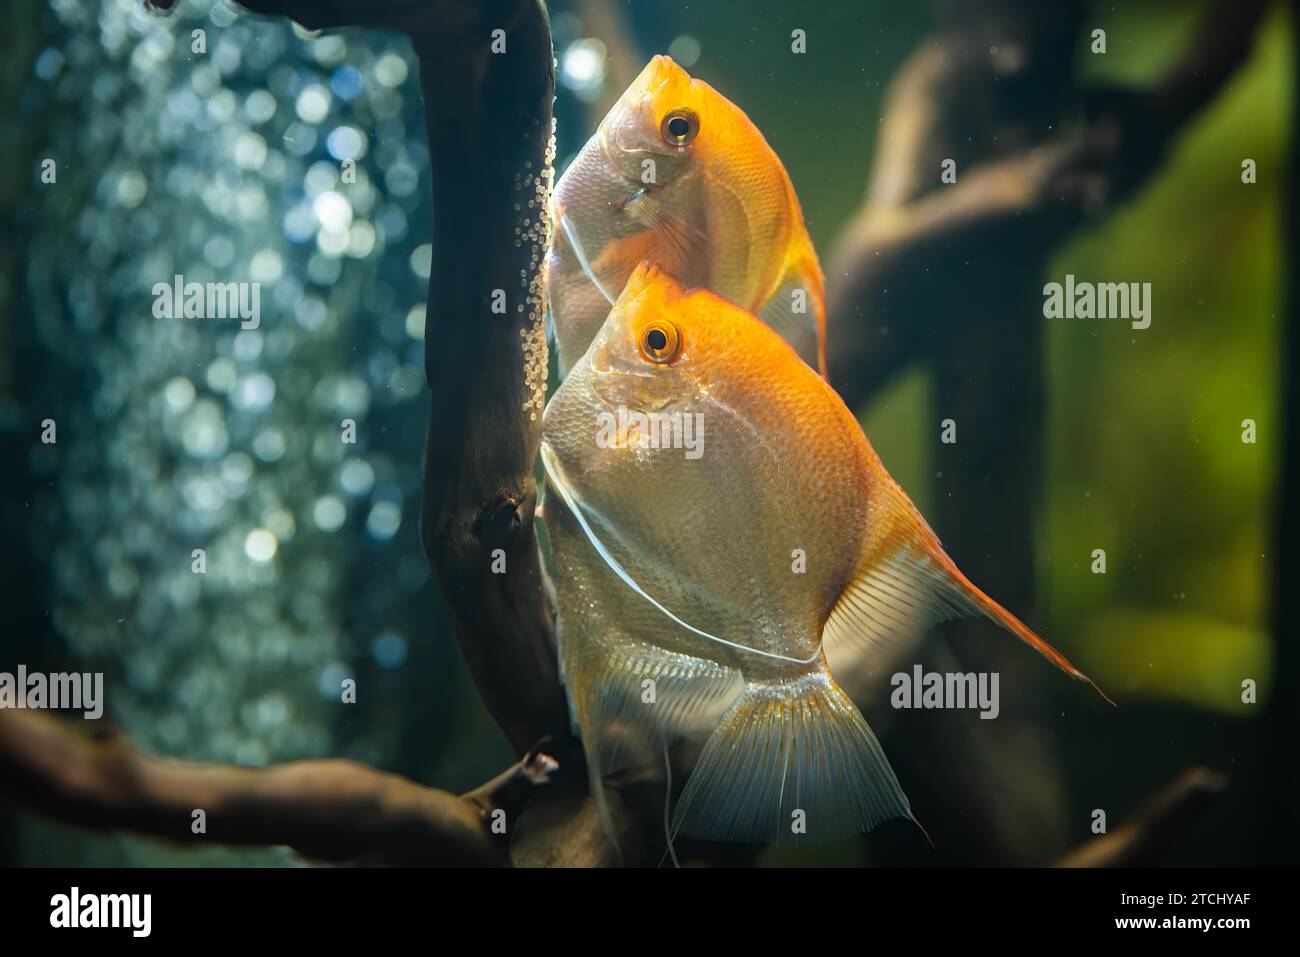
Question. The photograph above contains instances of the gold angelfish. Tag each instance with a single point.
(677, 174)
(684, 610)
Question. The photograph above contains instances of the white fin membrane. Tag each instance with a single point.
(893, 604)
(793, 761)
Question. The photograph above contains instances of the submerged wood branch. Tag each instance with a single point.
(329, 810)
(488, 117)
(910, 225)
(947, 275)
(487, 76)
(1157, 826)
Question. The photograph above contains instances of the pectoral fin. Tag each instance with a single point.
(684, 242)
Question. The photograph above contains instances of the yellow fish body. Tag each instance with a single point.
(728, 562)
(677, 174)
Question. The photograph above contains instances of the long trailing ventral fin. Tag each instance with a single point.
(571, 235)
(619, 728)
(905, 583)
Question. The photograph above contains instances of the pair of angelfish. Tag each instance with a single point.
(712, 599)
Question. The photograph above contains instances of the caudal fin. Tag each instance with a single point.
(905, 583)
(792, 761)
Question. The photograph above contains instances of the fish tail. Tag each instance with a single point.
(792, 761)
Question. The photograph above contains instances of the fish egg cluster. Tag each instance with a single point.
(537, 232)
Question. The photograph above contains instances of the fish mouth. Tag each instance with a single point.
(665, 70)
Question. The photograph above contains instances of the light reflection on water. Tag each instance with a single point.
(182, 434)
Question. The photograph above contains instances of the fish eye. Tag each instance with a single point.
(660, 341)
(679, 127)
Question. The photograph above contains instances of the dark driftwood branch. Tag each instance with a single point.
(489, 124)
(910, 223)
(412, 16)
(488, 118)
(1156, 827)
(488, 121)
(330, 810)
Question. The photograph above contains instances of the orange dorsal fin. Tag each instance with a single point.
(805, 330)
(905, 583)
